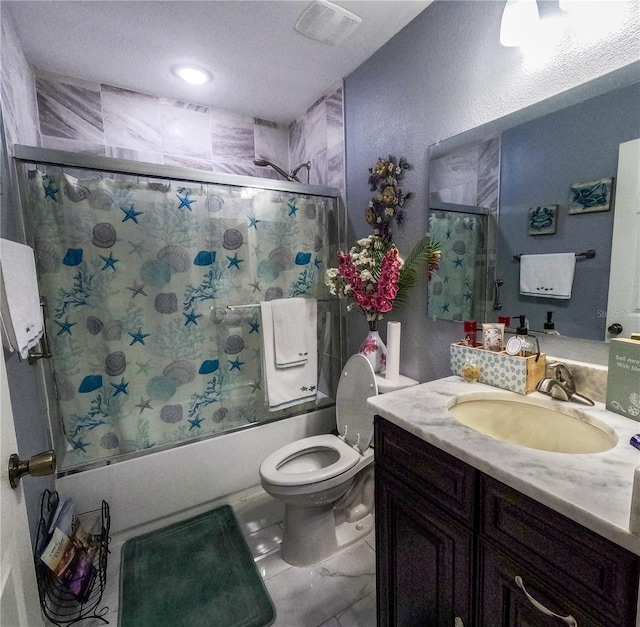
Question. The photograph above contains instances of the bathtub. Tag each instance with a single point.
(167, 485)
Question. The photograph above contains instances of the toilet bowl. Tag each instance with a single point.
(326, 481)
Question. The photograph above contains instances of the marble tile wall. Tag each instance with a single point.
(319, 137)
(110, 121)
(17, 88)
(468, 175)
(115, 122)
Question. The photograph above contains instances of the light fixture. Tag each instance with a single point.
(519, 22)
(191, 74)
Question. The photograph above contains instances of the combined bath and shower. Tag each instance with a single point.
(292, 176)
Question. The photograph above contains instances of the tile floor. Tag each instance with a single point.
(339, 592)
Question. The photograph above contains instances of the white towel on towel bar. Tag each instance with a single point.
(289, 335)
(20, 311)
(285, 387)
(547, 276)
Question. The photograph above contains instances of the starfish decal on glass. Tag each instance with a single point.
(144, 368)
(253, 222)
(195, 422)
(256, 287)
(445, 307)
(255, 386)
(185, 201)
(65, 327)
(292, 208)
(109, 262)
(191, 318)
(137, 248)
(50, 190)
(138, 337)
(458, 262)
(234, 261)
(131, 214)
(137, 289)
(144, 404)
(121, 388)
(235, 364)
(80, 445)
(255, 326)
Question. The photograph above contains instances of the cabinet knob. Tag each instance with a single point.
(615, 328)
(458, 622)
(568, 620)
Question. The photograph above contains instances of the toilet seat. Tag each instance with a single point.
(321, 457)
(347, 457)
(353, 418)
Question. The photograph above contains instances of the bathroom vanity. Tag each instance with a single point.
(467, 525)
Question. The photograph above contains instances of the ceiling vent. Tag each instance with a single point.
(327, 22)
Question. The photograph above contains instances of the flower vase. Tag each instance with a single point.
(375, 351)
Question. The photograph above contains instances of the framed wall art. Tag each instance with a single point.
(543, 220)
(591, 196)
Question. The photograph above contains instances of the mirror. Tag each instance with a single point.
(458, 291)
(527, 171)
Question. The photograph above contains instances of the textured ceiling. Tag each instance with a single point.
(261, 66)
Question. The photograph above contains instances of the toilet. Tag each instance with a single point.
(326, 481)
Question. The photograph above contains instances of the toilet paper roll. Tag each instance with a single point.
(393, 351)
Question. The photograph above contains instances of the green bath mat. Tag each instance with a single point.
(198, 572)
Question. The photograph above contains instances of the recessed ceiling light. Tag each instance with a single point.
(192, 75)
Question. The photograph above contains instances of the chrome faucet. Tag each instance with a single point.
(563, 386)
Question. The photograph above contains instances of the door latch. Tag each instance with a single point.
(36, 466)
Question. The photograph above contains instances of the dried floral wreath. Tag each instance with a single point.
(388, 203)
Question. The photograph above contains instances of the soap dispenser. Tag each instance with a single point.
(549, 326)
(527, 346)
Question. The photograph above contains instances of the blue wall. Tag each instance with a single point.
(539, 161)
(443, 74)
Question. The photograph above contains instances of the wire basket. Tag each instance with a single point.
(59, 605)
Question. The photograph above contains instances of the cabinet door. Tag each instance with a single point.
(423, 558)
(502, 603)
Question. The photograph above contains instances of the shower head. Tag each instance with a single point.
(263, 163)
(307, 165)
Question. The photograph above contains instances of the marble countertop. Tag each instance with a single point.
(594, 490)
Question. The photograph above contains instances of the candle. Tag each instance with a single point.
(393, 351)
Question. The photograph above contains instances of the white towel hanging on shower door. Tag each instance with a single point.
(289, 334)
(285, 387)
(20, 311)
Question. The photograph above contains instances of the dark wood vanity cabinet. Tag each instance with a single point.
(424, 557)
(451, 542)
(424, 532)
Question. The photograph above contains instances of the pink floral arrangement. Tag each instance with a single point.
(373, 275)
(372, 296)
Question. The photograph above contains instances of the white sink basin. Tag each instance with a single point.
(534, 426)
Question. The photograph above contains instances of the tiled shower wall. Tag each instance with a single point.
(81, 116)
(19, 110)
(468, 175)
(104, 120)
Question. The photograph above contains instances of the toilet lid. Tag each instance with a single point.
(357, 384)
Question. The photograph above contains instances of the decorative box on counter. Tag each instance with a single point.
(623, 380)
(509, 372)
